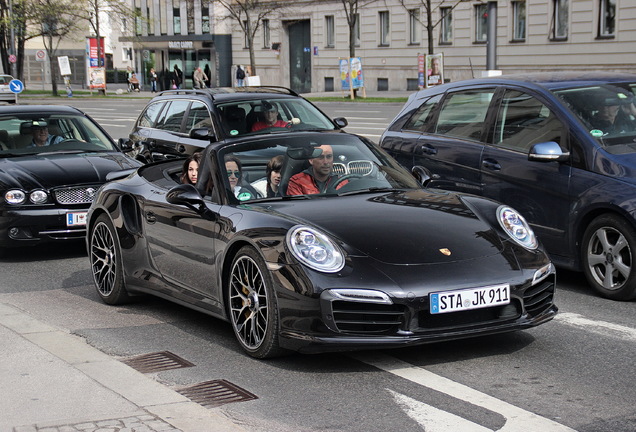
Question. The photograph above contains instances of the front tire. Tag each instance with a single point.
(106, 262)
(609, 261)
(252, 305)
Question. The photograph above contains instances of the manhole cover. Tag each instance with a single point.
(217, 392)
(157, 362)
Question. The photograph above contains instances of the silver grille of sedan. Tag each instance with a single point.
(362, 167)
(76, 195)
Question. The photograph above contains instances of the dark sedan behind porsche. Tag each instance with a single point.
(45, 191)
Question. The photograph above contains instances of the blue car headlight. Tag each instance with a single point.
(516, 227)
(315, 249)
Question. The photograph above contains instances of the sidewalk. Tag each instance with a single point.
(53, 381)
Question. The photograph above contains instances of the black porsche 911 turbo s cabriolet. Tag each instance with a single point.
(369, 260)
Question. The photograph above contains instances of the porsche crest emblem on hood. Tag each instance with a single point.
(445, 251)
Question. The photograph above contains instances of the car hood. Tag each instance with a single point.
(411, 227)
(48, 171)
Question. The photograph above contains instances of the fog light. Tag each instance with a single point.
(20, 233)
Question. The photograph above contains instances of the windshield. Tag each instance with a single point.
(278, 115)
(607, 111)
(27, 134)
(310, 165)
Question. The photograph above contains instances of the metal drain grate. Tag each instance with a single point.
(157, 362)
(211, 394)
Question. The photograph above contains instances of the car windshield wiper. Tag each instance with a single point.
(8, 155)
(372, 190)
(76, 151)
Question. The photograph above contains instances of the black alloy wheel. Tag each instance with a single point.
(106, 262)
(252, 305)
(608, 252)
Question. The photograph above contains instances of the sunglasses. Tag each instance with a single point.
(231, 173)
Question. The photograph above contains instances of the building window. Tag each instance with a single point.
(446, 25)
(414, 26)
(205, 20)
(330, 31)
(176, 20)
(356, 30)
(607, 18)
(519, 20)
(246, 41)
(384, 28)
(560, 19)
(138, 22)
(481, 23)
(266, 39)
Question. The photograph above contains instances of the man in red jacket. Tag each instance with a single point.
(317, 178)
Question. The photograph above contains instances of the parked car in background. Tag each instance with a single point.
(6, 95)
(372, 260)
(558, 147)
(45, 191)
(176, 123)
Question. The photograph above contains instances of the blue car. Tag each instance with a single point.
(558, 147)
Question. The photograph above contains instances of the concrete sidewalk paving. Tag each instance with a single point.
(53, 381)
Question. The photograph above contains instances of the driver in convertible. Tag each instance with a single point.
(269, 118)
(317, 178)
(41, 137)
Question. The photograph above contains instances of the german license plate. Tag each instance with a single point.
(75, 219)
(466, 299)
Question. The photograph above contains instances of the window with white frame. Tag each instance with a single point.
(205, 19)
(266, 32)
(607, 18)
(176, 20)
(481, 23)
(138, 22)
(446, 25)
(519, 20)
(330, 30)
(384, 27)
(560, 19)
(246, 41)
(414, 26)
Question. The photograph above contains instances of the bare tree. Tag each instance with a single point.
(351, 8)
(17, 22)
(430, 10)
(249, 15)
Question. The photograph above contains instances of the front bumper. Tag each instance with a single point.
(25, 227)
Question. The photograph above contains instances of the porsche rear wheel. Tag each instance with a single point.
(106, 262)
(252, 305)
(609, 257)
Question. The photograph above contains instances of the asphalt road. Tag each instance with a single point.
(574, 373)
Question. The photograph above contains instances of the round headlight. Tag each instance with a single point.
(38, 197)
(315, 249)
(15, 196)
(516, 227)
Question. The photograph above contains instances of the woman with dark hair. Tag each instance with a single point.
(190, 170)
(234, 174)
(273, 176)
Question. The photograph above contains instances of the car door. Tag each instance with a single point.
(198, 116)
(538, 190)
(451, 149)
(181, 241)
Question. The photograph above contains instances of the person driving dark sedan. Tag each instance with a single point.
(41, 137)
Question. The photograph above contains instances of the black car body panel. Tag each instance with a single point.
(399, 245)
(560, 196)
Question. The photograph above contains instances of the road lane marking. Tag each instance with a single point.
(603, 328)
(517, 419)
(433, 419)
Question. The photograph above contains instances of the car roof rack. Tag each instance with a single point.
(225, 90)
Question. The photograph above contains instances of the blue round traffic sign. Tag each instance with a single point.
(16, 86)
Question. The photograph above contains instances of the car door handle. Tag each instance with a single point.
(151, 217)
(491, 164)
(428, 149)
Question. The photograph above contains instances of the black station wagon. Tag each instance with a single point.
(558, 147)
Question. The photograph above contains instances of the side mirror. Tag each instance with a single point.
(203, 134)
(184, 194)
(341, 122)
(421, 174)
(125, 144)
(548, 151)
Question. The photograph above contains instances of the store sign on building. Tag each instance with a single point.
(181, 44)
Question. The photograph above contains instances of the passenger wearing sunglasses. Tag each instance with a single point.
(317, 178)
(234, 174)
